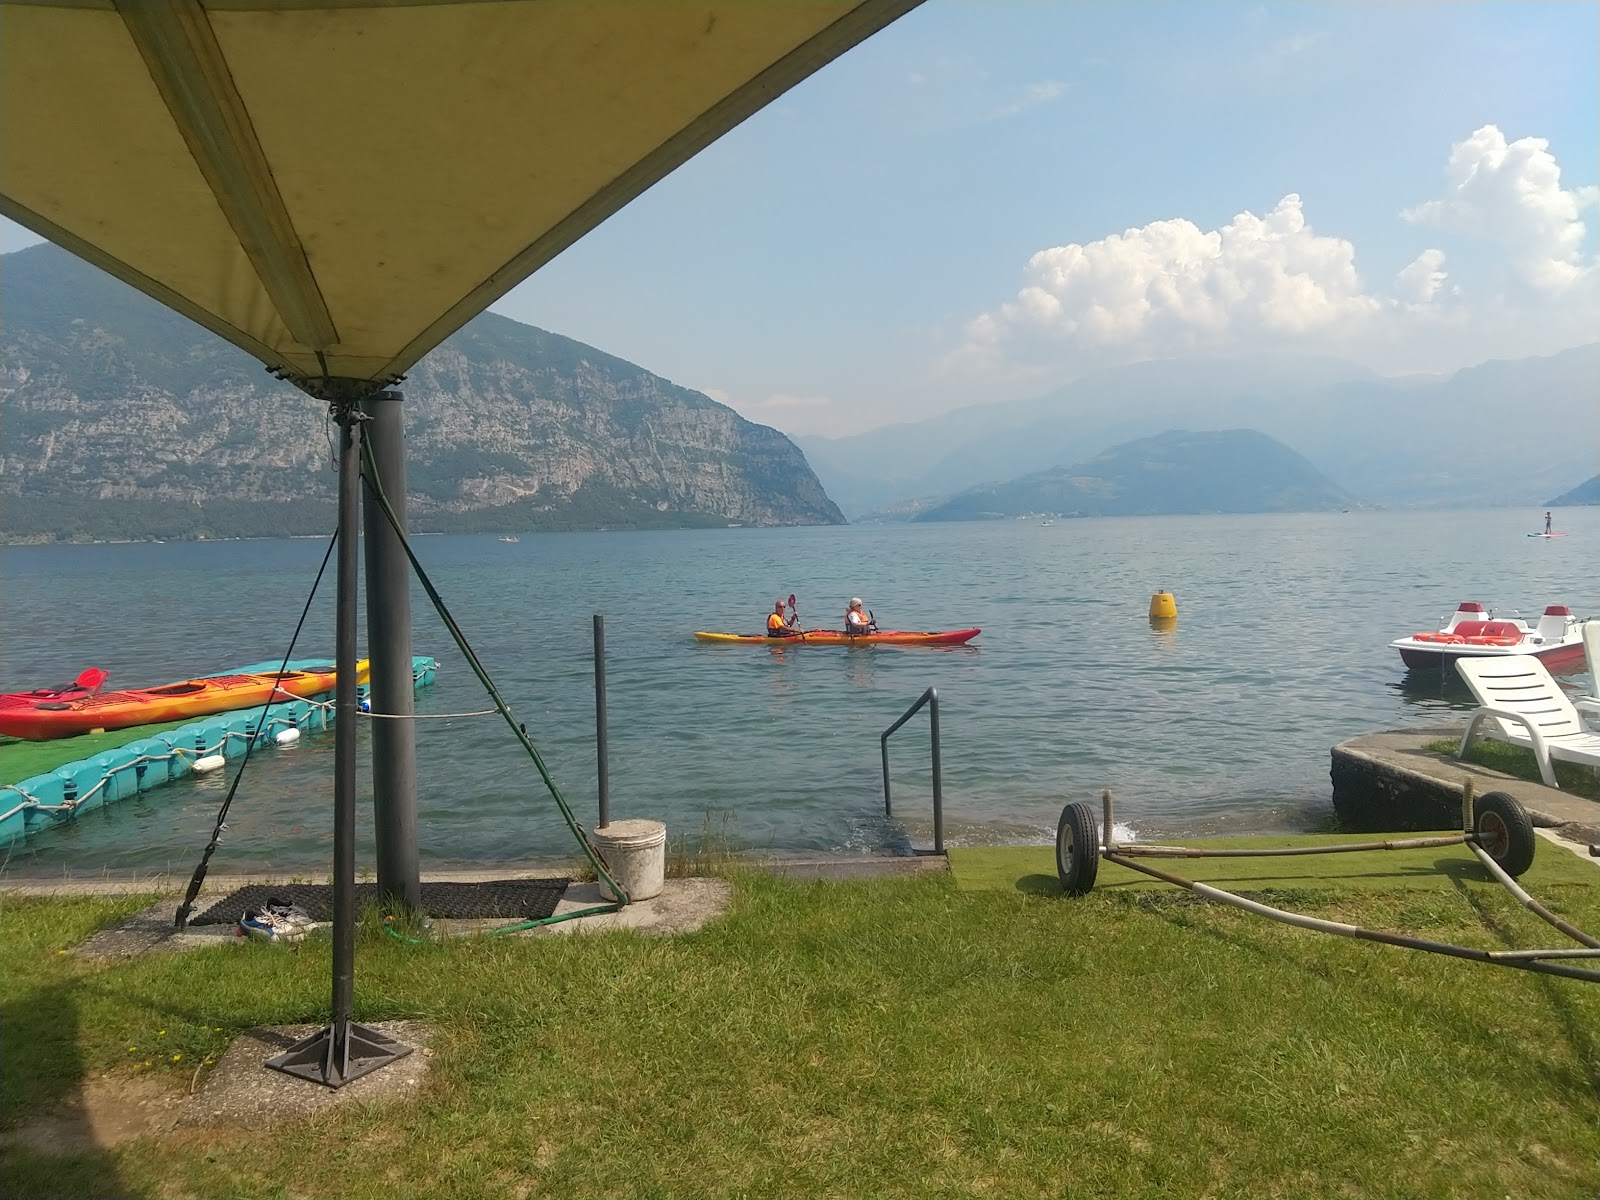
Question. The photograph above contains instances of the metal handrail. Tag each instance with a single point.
(931, 699)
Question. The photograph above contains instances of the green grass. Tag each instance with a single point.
(1519, 761)
(1439, 868)
(894, 1037)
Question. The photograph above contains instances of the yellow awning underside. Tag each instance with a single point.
(338, 186)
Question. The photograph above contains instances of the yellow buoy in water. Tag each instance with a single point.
(1163, 607)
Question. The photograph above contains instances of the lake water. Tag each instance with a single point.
(1221, 725)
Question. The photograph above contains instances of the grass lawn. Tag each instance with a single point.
(894, 1037)
(1519, 761)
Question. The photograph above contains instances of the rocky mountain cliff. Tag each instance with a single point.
(121, 419)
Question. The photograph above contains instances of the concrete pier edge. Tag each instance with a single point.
(1386, 781)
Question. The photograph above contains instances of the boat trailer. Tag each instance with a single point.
(1495, 827)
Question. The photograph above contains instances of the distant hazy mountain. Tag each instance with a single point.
(1233, 471)
(1499, 433)
(1585, 493)
(122, 419)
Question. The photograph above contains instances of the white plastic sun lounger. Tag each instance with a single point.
(1590, 705)
(1521, 704)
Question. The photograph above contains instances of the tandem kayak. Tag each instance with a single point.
(66, 716)
(833, 637)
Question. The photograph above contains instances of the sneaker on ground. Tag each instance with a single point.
(276, 921)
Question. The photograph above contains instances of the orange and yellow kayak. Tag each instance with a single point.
(833, 637)
(66, 715)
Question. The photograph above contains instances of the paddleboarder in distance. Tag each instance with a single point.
(1547, 522)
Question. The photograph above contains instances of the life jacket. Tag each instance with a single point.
(775, 623)
(856, 622)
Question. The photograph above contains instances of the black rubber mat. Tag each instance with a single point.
(526, 899)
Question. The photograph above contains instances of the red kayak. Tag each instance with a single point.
(65, 716)
(833, 637)
(87, 684)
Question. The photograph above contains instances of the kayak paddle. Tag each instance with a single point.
(795, 617)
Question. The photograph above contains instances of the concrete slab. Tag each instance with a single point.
(216, 886)
(1388, 781)
(1581, 849)
(684, 905)
(242, 1093)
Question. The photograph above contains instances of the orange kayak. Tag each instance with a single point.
(66, 716)
(833, 637)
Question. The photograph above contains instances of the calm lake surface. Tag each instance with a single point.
(1222, 725)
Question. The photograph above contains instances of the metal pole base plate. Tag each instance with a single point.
(334, 1061)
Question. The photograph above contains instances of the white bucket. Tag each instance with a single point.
(635, 854)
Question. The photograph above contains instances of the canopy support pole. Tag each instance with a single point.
(394, 741)
(343, 1050)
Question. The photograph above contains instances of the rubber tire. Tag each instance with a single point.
(1077, 849)
(1506, 830)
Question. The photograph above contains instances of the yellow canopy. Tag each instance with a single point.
(338, 185)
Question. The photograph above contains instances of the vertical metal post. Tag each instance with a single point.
(1105, 810)
(343, 1050)
(394, 742)
(602, 748)
(938, 774)
(883, 744)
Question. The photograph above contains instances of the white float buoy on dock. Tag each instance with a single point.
(287, 737)
(210, 762)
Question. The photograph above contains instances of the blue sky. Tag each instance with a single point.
(988, 199)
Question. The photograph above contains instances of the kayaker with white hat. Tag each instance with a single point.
(856, 622)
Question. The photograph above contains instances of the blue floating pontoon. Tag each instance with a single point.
(156, 757)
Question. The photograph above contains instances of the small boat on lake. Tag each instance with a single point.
(833, 637)
(67, 715)
(1556, 639)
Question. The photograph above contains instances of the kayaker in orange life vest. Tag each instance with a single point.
(779, 626)
(857, 622)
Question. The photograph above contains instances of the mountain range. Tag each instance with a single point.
(122, 419)
(1502, 433)
(1231, 471)
(1587, 492)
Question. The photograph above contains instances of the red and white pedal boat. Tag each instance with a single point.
(1556, 641)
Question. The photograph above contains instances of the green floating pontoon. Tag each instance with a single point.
(69, 776)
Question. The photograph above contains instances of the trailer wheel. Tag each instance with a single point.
(1505, 831)
(1077, 849)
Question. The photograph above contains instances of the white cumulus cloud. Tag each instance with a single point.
(1420, 281)
(1521, 283)
(1510, 193)
(1171, 282)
